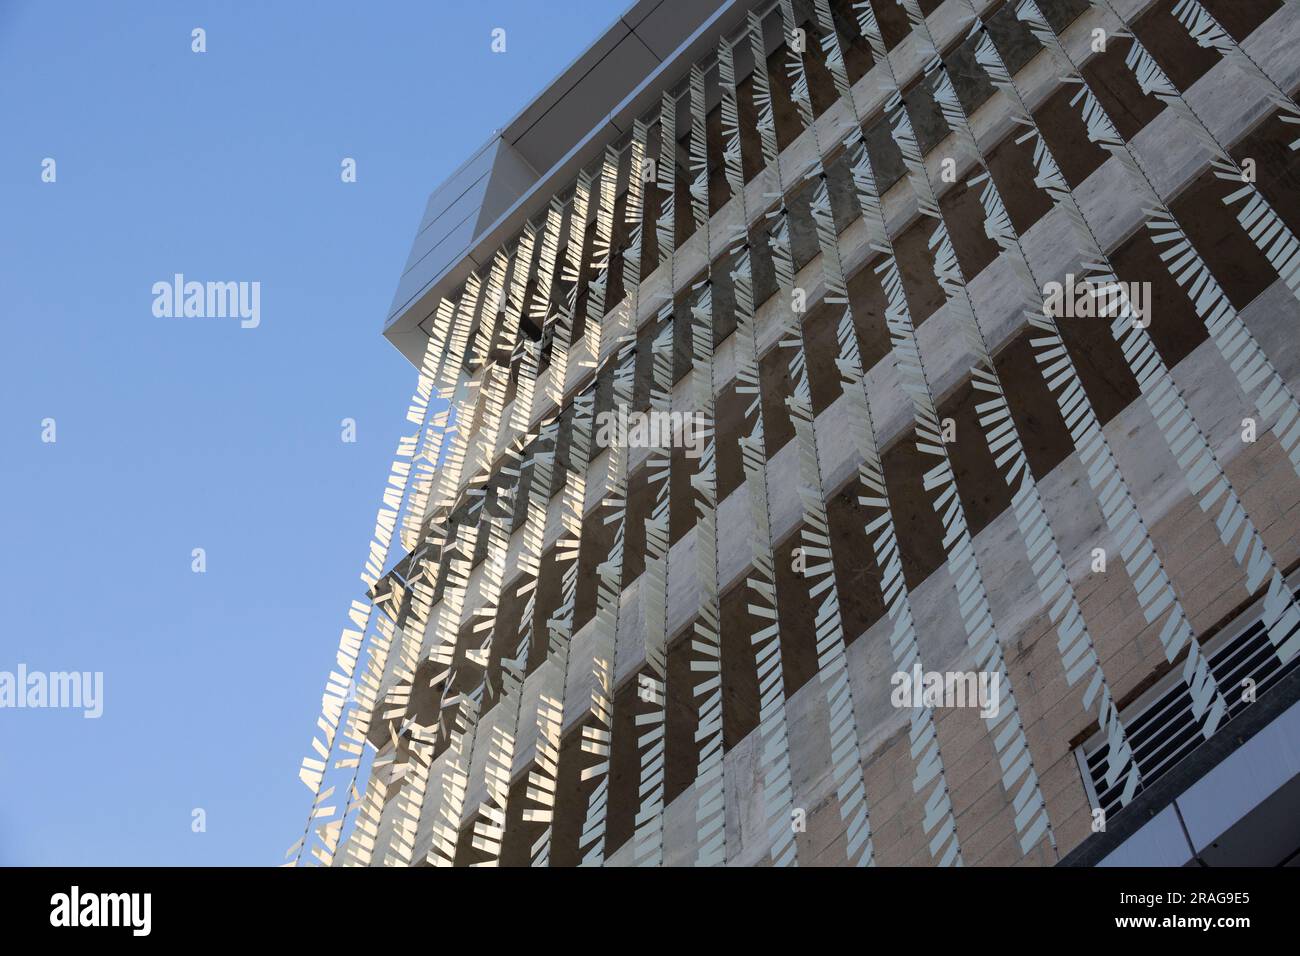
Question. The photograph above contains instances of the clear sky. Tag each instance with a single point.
(174, 434)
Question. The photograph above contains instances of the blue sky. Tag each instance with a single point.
(175, 434)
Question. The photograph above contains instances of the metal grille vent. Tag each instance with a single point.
(1161, 728)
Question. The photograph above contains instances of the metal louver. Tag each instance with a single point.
(1161, 728)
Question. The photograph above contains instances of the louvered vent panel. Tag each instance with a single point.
(1163, 731)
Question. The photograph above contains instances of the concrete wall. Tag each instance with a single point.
(1203, 573)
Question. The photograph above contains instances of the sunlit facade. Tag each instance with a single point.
(970, 534)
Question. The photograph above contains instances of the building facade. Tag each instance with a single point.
(847, 433)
